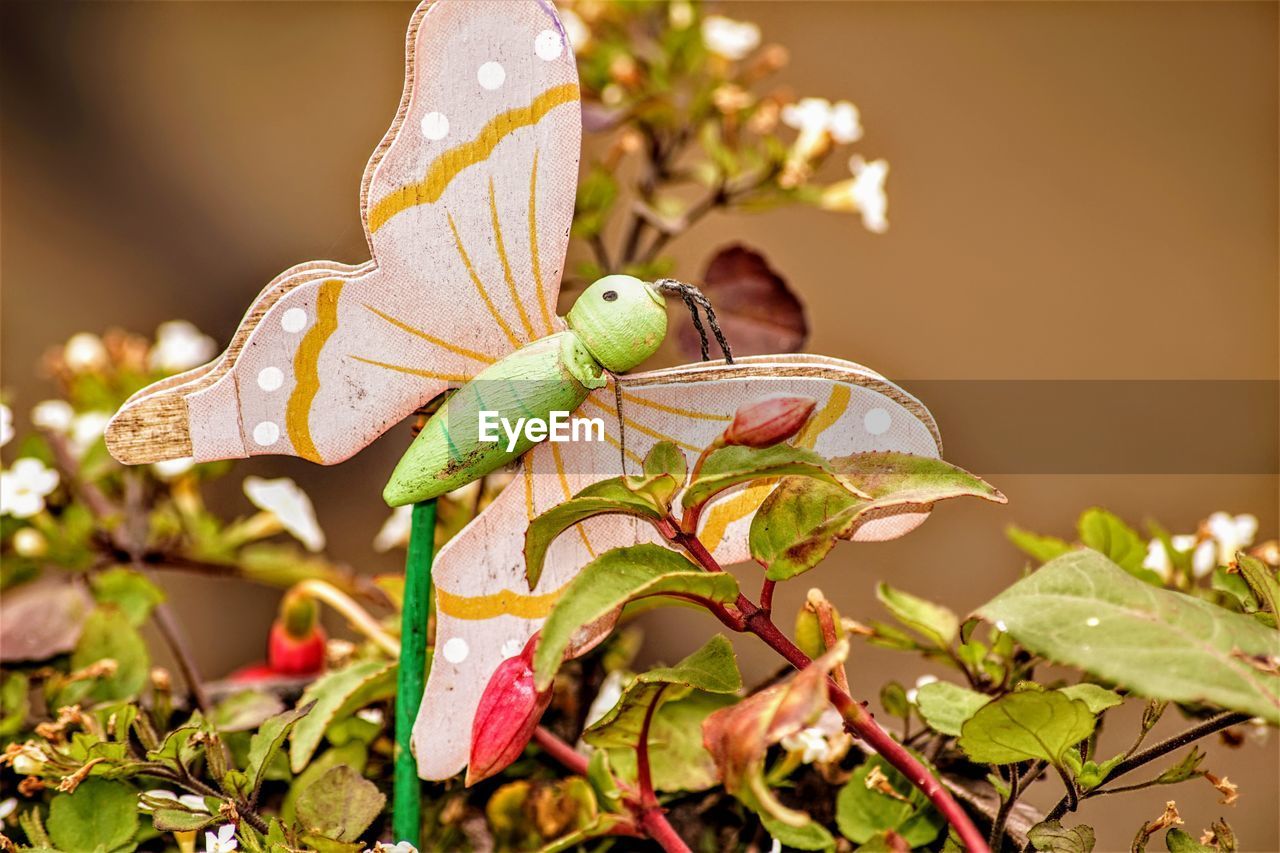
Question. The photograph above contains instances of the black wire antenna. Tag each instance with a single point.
(693, 300)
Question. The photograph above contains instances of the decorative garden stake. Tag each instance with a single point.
(467, 205)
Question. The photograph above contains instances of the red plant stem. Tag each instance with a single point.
(858, 720)
(650, 815)
(560, 751)
(766, 595)
(648, 798)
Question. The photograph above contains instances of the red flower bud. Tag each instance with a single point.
(509, 711)
(766, 422)
(289, 655)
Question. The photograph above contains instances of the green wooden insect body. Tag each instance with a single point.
(615, 324)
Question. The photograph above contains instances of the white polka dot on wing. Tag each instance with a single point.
(877, 421)
(266, 433)
(435, 126)
(293, 320)
(270, 378)
(548, 45)
(491, 75)
(455, 650)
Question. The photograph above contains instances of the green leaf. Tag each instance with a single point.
(1036, 546)
(1187, 768)
(109, 634)
(864, 811)
(99, 815)
(893, 698)
(14, 703)
(1178, 841)
(608, 497)
(731, 466)
(946, 707)
(1083, 611)
(1025, 726)
(1096, 699)
(336, 694)
(677, 758)
(181, 820)
(1106, 533)
(924, 617)
(340, 804)
(800, 521)
(245, 710)
(267, 741)
(811, 836)
(129, 590)
(1261, 580)
(353, 753)
(600, 776)
(610, 581)
(1051, 836)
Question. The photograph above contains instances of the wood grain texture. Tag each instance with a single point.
(485, 611)
(466, 204)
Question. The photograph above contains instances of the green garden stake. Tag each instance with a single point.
(411, 675)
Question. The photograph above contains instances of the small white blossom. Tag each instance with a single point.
(608, 695)
(171, 469)
(29, 542)
(29, 760)
(775, 845)
(24, 487)
(223, 842)
(920, 682)
(6, 425)
(191, 801)
(867, 194)
(290, 505)
(8, 807)
(811, 743)
(87, 430)
(54, 416)
(1231, 533)
(729, 38)
(370, 715)
(577, 31)
(815, 117)
(84, 352)
(395, 530)
(180, 346)
(398, 847)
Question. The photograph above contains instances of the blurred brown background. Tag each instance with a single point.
(1079, 191)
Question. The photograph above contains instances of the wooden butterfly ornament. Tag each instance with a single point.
(467, 204)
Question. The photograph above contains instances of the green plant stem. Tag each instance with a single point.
(1225, 720)
(411, 675)
(858, 720)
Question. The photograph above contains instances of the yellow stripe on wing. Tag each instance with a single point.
(479, 285)
(440, 342)
(638, 427)
(564, 485)
(533, 247)
(306, 370)
(749, 499)
(447, 166)
(506, 264)
(674, 410)
(504, 603)
(400, 368)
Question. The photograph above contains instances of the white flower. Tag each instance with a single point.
(1157, 559)
(811, 743)
(395, 530)
(866, 192)
(370, 715)
(84, 352)
(29, 542)
(1232, 533)
(223, 842)
(24, 487)
(775, 845)
(87, 430)
(920, 682)
(8, 807)
(6, 425)
(180, 346)
(171, 469)
(608, 695)
(398, 847)
(815, 117)
(54, 416)
(29, 760)
(729, 38)
(191, 801)
(577, 31)
(290, 505)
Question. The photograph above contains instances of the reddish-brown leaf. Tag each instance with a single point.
(755, 307)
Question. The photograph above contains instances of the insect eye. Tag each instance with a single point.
(610, 295)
